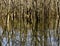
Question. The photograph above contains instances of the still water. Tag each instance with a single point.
(17, 39)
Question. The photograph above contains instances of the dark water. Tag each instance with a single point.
(16, 41)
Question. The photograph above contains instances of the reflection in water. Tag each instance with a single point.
(16, 41)
(4, 42)
(29, 38)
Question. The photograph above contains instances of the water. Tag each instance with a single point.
(16, 41)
